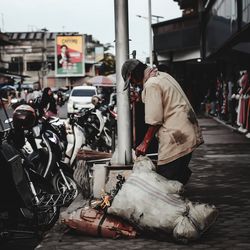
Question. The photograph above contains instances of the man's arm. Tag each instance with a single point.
(142, 148)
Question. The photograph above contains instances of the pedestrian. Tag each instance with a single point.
(59, 100)
(19, 88)
(169, 115)
(37, 92)
(47, 105)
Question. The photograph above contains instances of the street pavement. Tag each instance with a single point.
(221, 176)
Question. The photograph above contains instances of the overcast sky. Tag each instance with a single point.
(93, 17)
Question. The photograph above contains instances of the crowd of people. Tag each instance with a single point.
(46, 99)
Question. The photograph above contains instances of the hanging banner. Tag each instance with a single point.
(69, 57)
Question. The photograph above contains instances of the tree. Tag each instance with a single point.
(107, 66)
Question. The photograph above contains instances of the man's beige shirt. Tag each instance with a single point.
(167, 105)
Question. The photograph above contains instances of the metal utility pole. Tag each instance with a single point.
(2, 30)
(45, 63)
(150, 34)
(124, 146)
(149, 18)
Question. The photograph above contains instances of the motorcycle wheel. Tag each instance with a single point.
(60, 186)
(46, 215)
(39, 159)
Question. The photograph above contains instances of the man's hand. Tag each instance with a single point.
(141, 149)
(134, 96)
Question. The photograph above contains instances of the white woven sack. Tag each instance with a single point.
(148, 199)
(143, 164)
(200, 217)
(151, 202)
(145, 169)
(145, 205)
(185, 230)
(204, 214)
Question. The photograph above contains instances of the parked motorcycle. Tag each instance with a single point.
(98, 135)
(26, 197)
(94, 129)
(46, 152)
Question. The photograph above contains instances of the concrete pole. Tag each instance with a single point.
(124, 148)
(150, 33)
(45, 64)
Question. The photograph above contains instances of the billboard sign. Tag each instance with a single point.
(69, 57)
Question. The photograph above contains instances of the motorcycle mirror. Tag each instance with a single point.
(14, 101)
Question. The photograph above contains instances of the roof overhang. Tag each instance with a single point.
(4, 40)
(237, 49)
(186, 55)
(6, 73)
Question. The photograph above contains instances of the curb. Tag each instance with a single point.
(235, 129)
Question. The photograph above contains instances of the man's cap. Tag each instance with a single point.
(127, 69)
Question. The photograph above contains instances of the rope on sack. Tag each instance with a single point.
(192, 219)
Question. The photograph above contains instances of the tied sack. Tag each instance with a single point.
(153, 203)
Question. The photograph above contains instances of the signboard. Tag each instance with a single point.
(94, 54)
(99, 54)
(69, 57)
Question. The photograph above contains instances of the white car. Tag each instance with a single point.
(80, 97)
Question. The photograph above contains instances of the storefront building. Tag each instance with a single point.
(34, 53)
(210, 41)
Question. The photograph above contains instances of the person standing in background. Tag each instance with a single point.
(47, 105)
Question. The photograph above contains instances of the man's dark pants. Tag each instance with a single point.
(176, 170)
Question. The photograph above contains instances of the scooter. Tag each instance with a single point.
(45, 150)
(48, 161)
(75, 140)
(90, 129)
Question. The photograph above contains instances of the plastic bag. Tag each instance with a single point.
(82, 177)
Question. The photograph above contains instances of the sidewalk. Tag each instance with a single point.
(221, 176)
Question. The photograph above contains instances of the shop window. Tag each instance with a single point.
(51, 62)
(22, 36)
(14, 36)
(16, 65)
(31, 35)
(34, 66)
(38, 35)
